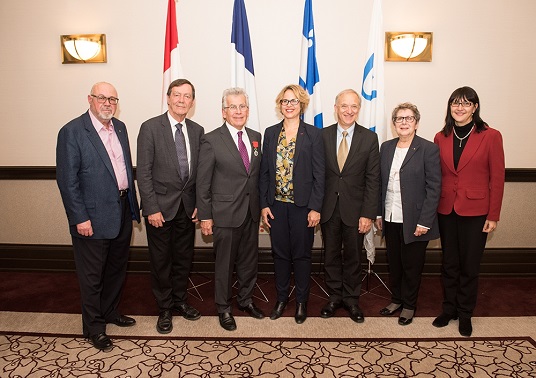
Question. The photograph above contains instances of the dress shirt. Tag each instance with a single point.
(349, 137)
(184, 129)
(113, 148)
(234, 133)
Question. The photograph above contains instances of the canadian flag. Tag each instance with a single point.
(172, 58)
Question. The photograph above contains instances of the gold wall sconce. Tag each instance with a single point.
(408, 46)
(83, 48)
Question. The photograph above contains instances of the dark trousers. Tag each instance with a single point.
(292, 242)
(101, 266)
(463, 243)
(235, 248)
(171, 249)
(342, 267)
(406, 262)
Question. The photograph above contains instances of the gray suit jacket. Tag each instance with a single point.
(87, 181)
(159, 182)
(420, 185)
(357, 185)
(225, 191)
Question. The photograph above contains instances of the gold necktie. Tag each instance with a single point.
(343, 150)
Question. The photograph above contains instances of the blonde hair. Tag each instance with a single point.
(300, 93)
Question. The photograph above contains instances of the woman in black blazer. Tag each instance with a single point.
(410, 190)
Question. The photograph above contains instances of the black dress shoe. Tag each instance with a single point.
(187, 311)
(301, 312)
(227, 321)
(329, 309)
(101, 341)
(443, 320)
(252, 310)
(355, 313)
(123, 321)
(278, 310)
(404, 321)
(386, 312)
(465, 327)
(164, 323)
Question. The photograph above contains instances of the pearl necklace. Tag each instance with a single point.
(460, 139)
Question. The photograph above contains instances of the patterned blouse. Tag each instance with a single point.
(284, 189)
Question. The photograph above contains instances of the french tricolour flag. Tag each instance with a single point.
(172, 58)
(309, 78)
(242, 72)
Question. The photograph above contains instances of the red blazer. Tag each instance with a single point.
(477, 187)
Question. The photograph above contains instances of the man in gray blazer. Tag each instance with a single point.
(350, 203)
(228, 204)
(168, 152)
(95, 178)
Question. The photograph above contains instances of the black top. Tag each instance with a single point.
(459, 145)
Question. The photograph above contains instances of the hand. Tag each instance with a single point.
(420, 231)
(266, 214)
(364, 225)
(194, 216)
(313, 218)
(378, 223)
(489, 226)
(206, 227)
(156, 220)
(85, 228)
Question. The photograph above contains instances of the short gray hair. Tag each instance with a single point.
(236, 91)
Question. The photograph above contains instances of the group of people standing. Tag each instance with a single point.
(301, 177)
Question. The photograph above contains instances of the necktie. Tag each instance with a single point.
(343, 150)
(180, 146)
(243, 151)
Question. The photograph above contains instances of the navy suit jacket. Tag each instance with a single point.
(86, 178)
(308, 167)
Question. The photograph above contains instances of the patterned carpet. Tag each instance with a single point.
(46, 355)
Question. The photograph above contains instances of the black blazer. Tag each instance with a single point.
(420, 186)
(308, 167)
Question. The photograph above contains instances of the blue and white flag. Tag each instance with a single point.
(372, 114)
(242, 73)
(309, 78)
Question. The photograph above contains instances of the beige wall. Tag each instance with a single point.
(481, 43)
(32, 213)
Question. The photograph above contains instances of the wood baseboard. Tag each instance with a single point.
(34, 257)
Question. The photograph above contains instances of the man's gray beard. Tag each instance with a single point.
(106, 116)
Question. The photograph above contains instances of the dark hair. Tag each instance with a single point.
(464, 94)
(178, 83)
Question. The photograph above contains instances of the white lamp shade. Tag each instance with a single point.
(408, 45)
(82, 49)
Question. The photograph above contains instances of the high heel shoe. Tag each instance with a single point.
(301, 312)
(386, 312)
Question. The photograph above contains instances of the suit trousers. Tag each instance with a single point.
(463, 243)
(235, 248)
(406, 262)
(342, 264)
(171, 250)
(292, 242)
(101, 266)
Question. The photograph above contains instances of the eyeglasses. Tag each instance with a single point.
(102, 99)
(285, 101)
(465, 104)
(234, 108)
(345, 107)
(408, 119)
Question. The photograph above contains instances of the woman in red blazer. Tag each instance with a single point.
(472, 186)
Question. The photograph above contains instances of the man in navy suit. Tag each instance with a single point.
(95, 178)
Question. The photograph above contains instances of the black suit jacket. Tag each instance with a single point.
(308, 169)
(420, 186)
(357, 185)
(159, 182)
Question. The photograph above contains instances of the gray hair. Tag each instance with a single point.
(236, 91)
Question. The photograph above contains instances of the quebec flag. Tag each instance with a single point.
(242, 73)
(372, 114)
(309, 78)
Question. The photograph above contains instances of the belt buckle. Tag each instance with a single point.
(123, 192)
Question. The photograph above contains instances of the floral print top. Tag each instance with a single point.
(284, 189)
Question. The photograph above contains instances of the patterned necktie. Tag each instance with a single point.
(343, 150)
(243, 151)
(180, 146)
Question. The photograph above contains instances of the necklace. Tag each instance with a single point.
(460, 139)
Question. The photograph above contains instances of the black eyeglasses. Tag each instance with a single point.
(465, 104)
(102, 99)
(408, 119)
(293, 101)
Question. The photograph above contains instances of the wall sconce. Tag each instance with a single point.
(408, 46)
(83, 48)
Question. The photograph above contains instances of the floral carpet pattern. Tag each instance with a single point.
(25, 355)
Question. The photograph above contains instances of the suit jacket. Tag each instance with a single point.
(225, 191)
(87, 181)
(308, 167)
(159, 181)
(420, 186)
(477, 186)
(357, 185)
